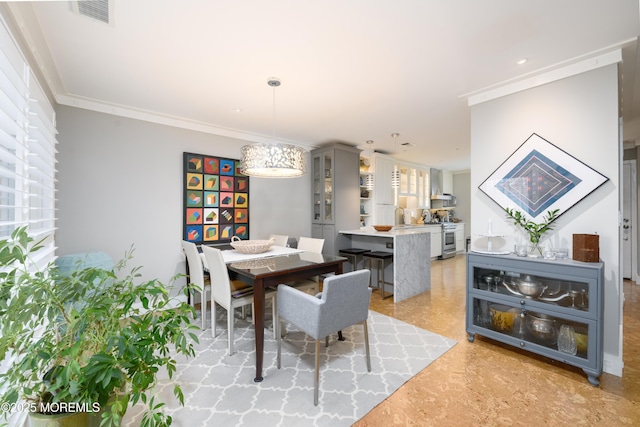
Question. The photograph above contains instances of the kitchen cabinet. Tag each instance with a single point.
(335, 188)
(549, 307)
(414, 183)
(328, 233)
(383, 192)
(436, 240)
(408, 181)
(384, 214)
(423, 189)
(460, 238)
(323, 178)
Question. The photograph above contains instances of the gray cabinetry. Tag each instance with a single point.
(335, 192)
(549, 307)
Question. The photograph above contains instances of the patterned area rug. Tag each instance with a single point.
(219, 389)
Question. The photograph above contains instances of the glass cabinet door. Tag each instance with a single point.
(554, 293)
(404, 180)
(413, 182)
(318, 187)
(327, 200)
(570, 337)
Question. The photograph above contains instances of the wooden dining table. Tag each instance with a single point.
(270, 271)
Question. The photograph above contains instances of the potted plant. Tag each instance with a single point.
(91, 341)
(534, 230)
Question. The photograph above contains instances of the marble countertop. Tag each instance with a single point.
(393, 232)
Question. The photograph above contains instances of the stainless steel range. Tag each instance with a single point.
(448, 240)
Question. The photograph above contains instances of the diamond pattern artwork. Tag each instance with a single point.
(536, 183)
(219, 389)
(539, 177)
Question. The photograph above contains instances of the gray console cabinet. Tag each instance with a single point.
(549, 307)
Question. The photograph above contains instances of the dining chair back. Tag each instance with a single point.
(229, 294)
(279, 240)
(344, 302)
(196, 277)
(310, 244)
(313, 245)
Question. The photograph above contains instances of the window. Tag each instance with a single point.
(27, 151)
(27, 162)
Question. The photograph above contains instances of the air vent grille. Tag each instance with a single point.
(95, 9)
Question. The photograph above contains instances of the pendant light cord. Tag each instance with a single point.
(274, 113)
(274, 83)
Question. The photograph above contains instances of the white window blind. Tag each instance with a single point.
(27, 163)
(27, 151)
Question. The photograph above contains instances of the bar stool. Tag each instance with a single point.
(353, 254)
(379, 257)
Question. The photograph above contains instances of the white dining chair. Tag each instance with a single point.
(279, 240)
(230, 294)
(309, 244)
(196, 277)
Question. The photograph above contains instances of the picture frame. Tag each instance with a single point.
(538, 177)
(215, 199)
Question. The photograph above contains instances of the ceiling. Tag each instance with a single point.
(351, 70)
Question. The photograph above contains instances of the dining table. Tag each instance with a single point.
(268, 270)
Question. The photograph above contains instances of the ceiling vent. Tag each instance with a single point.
(100, 10)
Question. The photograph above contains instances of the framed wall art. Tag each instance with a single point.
(539, 177)
(216, 199)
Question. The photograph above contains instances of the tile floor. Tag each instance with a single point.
(486, 383)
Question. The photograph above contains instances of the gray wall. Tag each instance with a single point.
(578, 114)
(462, 191)
(120, 183)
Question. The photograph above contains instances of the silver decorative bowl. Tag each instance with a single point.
(541, 326)
(530, 288)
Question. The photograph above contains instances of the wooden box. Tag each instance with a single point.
(586, 247)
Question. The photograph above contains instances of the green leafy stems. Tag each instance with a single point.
(534, 230)
(95, 335)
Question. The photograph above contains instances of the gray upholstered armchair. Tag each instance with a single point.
(344, 302)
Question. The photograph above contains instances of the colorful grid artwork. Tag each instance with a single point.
(211, 182)
(241, 216)
(226, 183)
(211, 216)
(211, 199)
(216, 199)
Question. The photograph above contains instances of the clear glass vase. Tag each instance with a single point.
(536, 250)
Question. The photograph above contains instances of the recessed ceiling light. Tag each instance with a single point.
(237, 110)
(521, 61)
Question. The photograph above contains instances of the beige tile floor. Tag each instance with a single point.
(485, 383)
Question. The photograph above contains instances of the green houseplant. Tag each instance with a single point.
(534, 230)
(92, 339)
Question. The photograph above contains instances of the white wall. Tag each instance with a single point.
(579, 115)
(120, 183)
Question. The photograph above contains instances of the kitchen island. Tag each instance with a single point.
(410, 270)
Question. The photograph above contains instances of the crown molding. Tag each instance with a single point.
(555, 73)
(174, 121)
